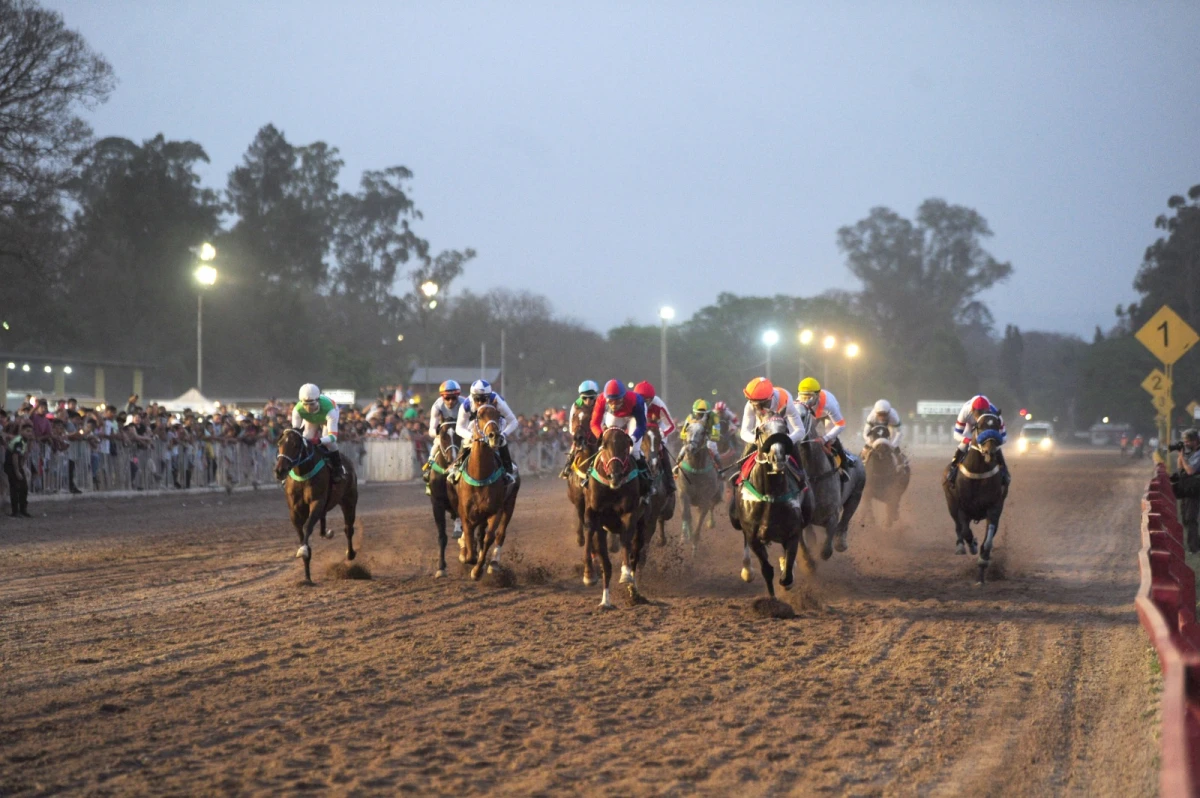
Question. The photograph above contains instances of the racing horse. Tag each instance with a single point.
(836, 501)
(701, 484)
(978, 493)
(613, 505)
(485, 500)
(583, 451)
(311, 491)
(773, 506)
(442, 496)
(661, 507)
(887, 473)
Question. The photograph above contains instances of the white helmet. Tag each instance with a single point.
(883, 407)
(481, 388)
(309, 392)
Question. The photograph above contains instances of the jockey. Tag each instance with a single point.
(582, 409)
(444, 411)
(617, 408)
(829, 422)
(467, 428)
(884, 415)
(964, 428)
(315, 414)
(659, 417)
(762, 400)
(712, 428)
(725, 416)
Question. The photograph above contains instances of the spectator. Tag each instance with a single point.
(1189, 464)
(16, 471)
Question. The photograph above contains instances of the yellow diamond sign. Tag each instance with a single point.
(1167, 336)
(1160, 403)
(1156, 384)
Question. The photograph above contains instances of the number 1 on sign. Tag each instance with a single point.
(1163, 327)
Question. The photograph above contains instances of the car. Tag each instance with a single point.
(1036, 438)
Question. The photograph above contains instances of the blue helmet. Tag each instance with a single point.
(481, 390)
(449, 389)
(614, 390)
(588, 388)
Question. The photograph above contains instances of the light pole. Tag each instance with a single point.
(806, 339)
(429, 290)
(770, 338)
(852, 351)
(829, 343)
(206, 276)
(666, 313)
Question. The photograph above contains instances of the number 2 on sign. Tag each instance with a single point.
(1163, 327)
(1157, 383)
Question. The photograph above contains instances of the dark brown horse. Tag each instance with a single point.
(442, 495)
(583, 450)
(887, 473)
(773, 507)
(485, 499)
(311, 492)
(661, 507)
(613, 505)
(700, 484)
(978, 492)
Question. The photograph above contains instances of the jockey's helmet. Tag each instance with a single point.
(883, 407)
(720, 407)
(808, 385)
(614, 391)
(645, 390)
(481, 391)
(588, 388)
(699, 408)
(981, 403)
(449, 390)
(309, 393)
(759, 389)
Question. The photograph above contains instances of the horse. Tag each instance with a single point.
(661, 507)
(887, 473)
(773, 506)
(311, 491)
(443, 497)
(612, 504)
(583, 450)
(836, 501)
(701, 483)
(978, 492)
(485, 500)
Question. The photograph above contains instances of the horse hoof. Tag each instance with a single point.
(625, 578)
(477, 573)
(783, 563)
(440, 573)
(351, 554)
(304, 552)
(327, 534)
(746, 575)
(462, 557)
(786, 585)
(839, 542)
(589, 581)
(491, 569)
(974, 547)
(960, 548)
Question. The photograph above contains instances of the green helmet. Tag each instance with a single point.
(699, 407)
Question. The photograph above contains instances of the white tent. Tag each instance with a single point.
(191, 398)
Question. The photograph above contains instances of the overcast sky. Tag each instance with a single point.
(621, 156)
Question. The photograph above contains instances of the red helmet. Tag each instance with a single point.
(644, 390)
(981, 403)
(614, 390)
(720, 407)
(759, 389)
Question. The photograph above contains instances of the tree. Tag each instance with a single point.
(1012, 350)
(1170, 271)
(920, 282)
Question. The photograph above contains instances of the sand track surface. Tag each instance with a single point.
(167, 646)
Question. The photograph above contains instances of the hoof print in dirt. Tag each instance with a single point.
(500, 576)
(343, 570)
(766, 607)
(541, 575)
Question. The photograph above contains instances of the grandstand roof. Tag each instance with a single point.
(435, 375)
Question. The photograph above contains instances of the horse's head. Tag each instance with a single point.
(771, 437)
(651, 444)
(488, 422)
(614, 460)
(697, 437)
(987, 437)
(445, 441)
(293, 449)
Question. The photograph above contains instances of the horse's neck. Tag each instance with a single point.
(443, 455)
(814, 459)
(482, 461)
(763, 480)
(697, 456)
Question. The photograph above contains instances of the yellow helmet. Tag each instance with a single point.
(699, 406)
(808, 385)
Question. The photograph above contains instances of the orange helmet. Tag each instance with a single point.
(644, 390)
(759, 389)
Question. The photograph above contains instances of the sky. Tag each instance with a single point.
(621, 156)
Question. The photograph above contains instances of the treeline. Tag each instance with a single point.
(320, 281)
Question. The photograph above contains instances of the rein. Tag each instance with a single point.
(307, 450)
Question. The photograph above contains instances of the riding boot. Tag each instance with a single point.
(845, 458)
(426, 474)
(668, 477)
(510, 470)
(566, 471)
(1005, 477)
(954, 461)
(455, 470)
(335, 462)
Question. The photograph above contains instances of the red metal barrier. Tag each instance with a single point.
(1166, 605)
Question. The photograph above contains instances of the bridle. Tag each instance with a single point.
(606, 464)
(451, 451)
(307, 450)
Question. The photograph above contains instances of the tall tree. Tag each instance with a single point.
(1170, 271)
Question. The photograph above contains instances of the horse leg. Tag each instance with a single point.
(316, 513)
(633, 553)
(760, 550)
(325, 533)
(489, 537)
(685, 517)
(827, 549)
(600, 537)
(579, 535)
(989, 540)
(349, 513)
(746, 575)
(501, 527)
(789, 565)
(849, 507)
(439, 520)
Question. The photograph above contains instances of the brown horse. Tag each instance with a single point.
(661, 507)
(887, 474)
(485, 499)
(583, 451)
(311, 491)
(978, 492)
(441, 495)
(613, 505)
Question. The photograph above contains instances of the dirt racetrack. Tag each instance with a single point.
(165, 646)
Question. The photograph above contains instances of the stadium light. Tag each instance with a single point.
(429, 288)
(829, 343)
(770, 338)
(207, 252)
(66, 369)
(666, 313)
(47, 369)
(806, 337)
(852, 351)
